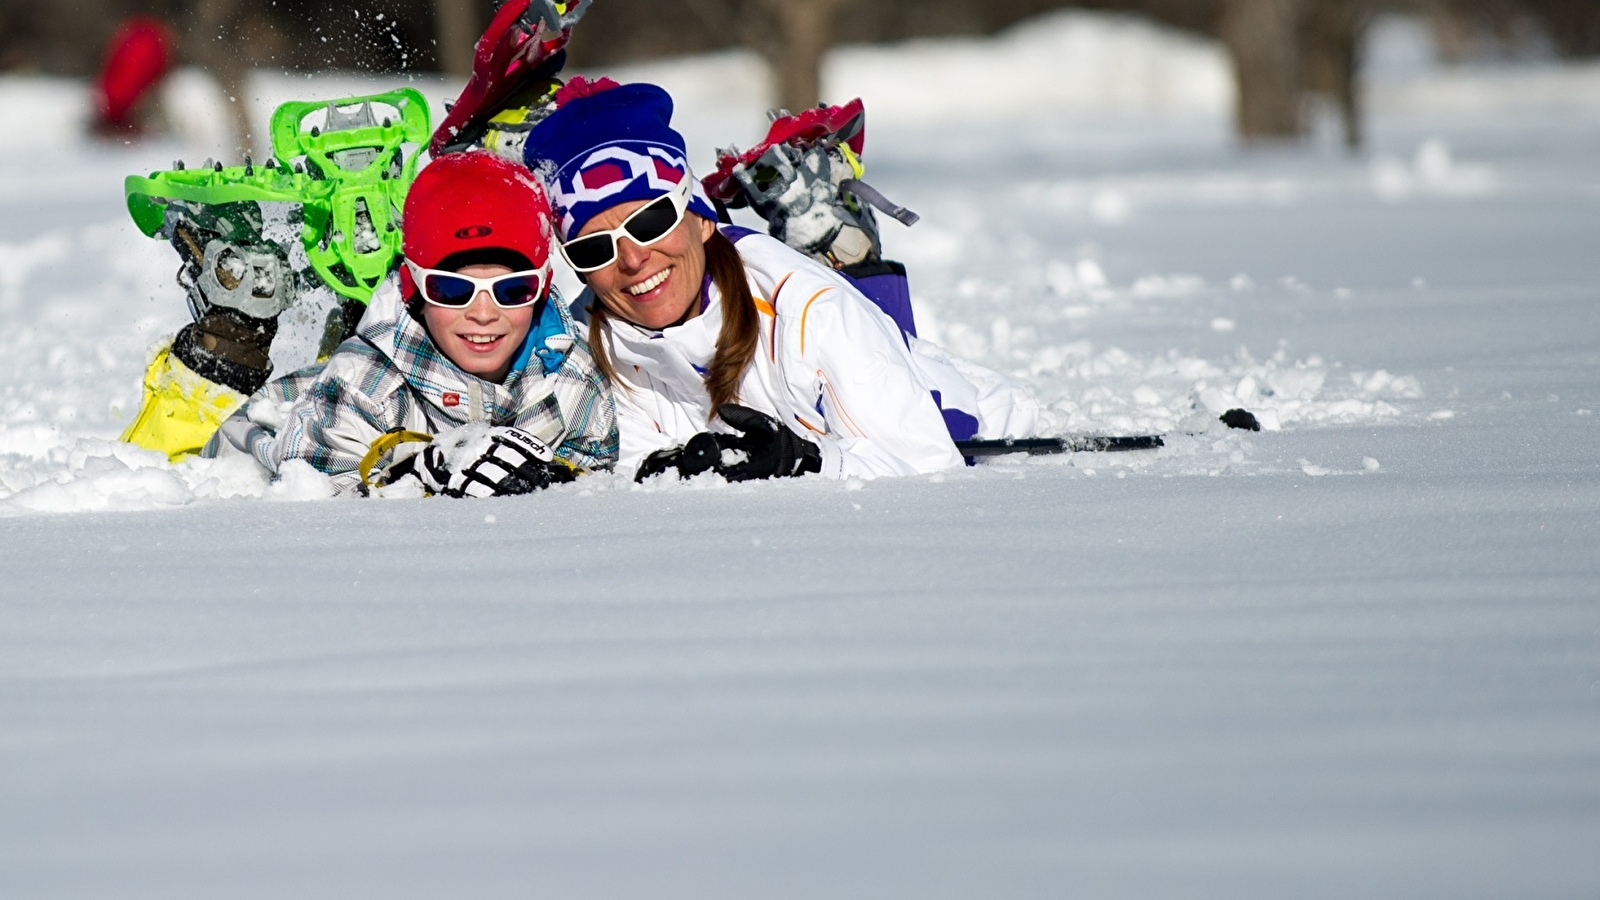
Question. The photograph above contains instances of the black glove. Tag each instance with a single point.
(700, 454)
(502, 462)
(771, 450)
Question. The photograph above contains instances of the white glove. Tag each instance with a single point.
(484, 461)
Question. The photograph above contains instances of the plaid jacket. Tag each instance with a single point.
(391, 375)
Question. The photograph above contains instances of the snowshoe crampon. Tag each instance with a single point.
(513, 81)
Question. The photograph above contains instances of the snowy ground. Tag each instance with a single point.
(1357, 656)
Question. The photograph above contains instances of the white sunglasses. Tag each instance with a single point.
(454, 290)
(648, 224)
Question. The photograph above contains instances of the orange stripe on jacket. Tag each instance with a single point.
(803, 314)
(763, 306)
(849, 421)
(772, 310)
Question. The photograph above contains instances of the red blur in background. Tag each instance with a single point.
(138, 57)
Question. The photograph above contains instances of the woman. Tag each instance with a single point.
(469, 343)
(727, 350)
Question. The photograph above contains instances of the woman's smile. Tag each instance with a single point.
(651, 285)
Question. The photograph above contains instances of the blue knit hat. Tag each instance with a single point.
(608, 144)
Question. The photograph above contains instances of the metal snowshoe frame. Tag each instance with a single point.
(558, 15)
(349, 174)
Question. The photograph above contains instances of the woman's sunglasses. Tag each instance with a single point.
(647, 225)
(454, 290)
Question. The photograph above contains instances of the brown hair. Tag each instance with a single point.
(741, 325)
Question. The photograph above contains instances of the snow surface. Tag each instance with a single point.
(1358, 655)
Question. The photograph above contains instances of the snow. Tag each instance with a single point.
(1356, 653)
(1067, 61)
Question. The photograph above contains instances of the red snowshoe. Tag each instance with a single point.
(804, 179)
(513, 80)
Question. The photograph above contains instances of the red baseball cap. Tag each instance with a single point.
(473, 207)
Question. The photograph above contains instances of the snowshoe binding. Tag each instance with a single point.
(237, 283)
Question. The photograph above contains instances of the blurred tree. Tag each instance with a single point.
(1467, 28)
(805, 30)
(213, 43)
(1574, 25)
(459, 25)
(1263, 41)
(1284, 50)
(1331, 42)
(370, 35)
(19, 32)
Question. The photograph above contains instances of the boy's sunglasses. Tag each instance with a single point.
(647, 225)
(454, 290)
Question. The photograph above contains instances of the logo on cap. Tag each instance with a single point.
(474, 231)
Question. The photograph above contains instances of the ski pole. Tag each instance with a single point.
(1082, 443)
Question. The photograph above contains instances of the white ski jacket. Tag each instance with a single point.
(831, 366)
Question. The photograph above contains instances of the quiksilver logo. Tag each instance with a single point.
(474, 231)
